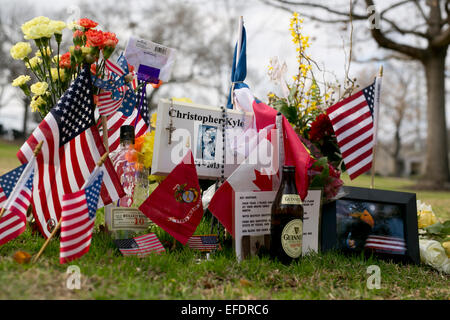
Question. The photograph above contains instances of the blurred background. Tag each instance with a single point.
(344, 43)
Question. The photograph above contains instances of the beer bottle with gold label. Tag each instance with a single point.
(286, 230)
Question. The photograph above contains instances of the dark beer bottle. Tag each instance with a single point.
(286, 230)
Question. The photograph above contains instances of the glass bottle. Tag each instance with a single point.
(286, 230)
(123, 219)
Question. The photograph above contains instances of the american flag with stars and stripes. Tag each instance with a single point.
(8, 182)
(110, 101)
(72, 147)
(353, 124)
(78, 218)
(141, 246)
(203, 242)
(18, 185)
(118, 119)
(387, 244)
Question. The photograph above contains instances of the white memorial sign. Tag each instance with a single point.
(252, 216)
(181, 126)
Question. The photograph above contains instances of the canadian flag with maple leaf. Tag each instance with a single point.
(247, 177)
(256, 176)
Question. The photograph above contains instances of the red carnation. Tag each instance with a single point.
(110, 39)
(64, 61)
(321, 127)
(87, 23)
(95, 38)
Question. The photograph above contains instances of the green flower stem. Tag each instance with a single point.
(47, 66)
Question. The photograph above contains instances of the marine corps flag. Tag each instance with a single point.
(176, 204)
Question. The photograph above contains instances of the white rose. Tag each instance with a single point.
(433, 254)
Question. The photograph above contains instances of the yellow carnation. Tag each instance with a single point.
(36, 102)
(27, 26)
(37, 28)
(40, 31)
(20, 50)
(34, 62)
(39, 88)
(20, 81)
(47, 51)
(57, 26)
(54, 74)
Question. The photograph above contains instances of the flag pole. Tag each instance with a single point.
(99, 164)
(238, 52)
(376, 116)
(105, 132)
(36, 152)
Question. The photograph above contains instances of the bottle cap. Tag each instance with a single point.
(127, 133)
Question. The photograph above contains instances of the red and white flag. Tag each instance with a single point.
(13, 221)
(295, 153)
(387, 244)
(176, 204)
(72, 147)
(78, 218)
(353, 124)
(249, 176)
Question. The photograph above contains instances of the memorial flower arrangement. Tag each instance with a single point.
(304, 102)
(434, 238)
(51, 71)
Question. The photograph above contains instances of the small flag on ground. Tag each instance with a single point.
(141, 246)
(78, 218)
(353, 124)
(203, 243)
(18, 186)
(386, 244)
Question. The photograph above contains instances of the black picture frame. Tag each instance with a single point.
(404, 201)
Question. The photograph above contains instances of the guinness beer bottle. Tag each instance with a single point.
(286, 231)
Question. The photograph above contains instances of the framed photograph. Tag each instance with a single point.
(181, 126)
(379, 222)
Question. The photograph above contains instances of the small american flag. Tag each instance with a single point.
(18, 190)
(78, 218)
(110, 101)
(203, 243)
(8, 182)
(72, 146)
(386, 244)
(353, 124)
(141, 246)
(118, 119)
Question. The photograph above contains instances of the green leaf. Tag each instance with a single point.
(290, 113)
(435, 228)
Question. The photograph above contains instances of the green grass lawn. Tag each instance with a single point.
(185, 274)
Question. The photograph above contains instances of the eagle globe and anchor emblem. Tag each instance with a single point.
(185, 195)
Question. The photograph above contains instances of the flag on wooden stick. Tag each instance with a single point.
(353, 124)
(16, 187)
(78, 218)
(72, 146)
